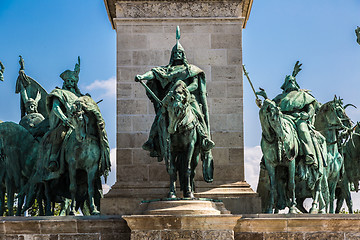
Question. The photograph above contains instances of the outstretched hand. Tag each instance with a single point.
(258, 102)
(138, 78)
(297, 68)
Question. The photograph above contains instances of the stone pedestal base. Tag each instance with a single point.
(183, 207)
(124, 198)
(182, 227)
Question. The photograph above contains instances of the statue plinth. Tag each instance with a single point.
(181, 206)
(211, 37)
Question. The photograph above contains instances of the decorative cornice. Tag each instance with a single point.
(177, 9)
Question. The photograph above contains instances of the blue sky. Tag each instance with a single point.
(51, 34)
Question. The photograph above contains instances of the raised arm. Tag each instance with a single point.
(146, 76)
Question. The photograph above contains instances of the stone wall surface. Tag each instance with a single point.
(298, 227)
(64, 228)
(209, 45)
(247, 227)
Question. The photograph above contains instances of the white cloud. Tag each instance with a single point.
(111, 179)
(106, 188)
(106, 88)
(252, 165)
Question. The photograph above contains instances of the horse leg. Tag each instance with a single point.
(2, 201)
(339, 202)
(10, 199)
(332, 188)
(194, 163)
(20, 204)
(48, 211)
(188, 192)
(91, 179)
(292, 208)
(271, 172)
(20, 200)
(40, 198)
(346, 194)
(172, 174)
(72, 187)
(318, 200)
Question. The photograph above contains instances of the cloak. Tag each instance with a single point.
(294, 100)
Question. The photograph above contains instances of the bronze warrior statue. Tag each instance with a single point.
(180, 86)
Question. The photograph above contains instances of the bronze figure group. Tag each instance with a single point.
(303, 144)
(58, 151)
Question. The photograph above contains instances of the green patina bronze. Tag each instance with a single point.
(2, 69)
(301, 144)
(180, 133)
(57, 152)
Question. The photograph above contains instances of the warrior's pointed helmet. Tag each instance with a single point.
(290, 83)
(178, 48)
(68, 74)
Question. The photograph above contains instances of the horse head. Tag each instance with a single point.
(177, 104)
(271, 120)
(79, 120)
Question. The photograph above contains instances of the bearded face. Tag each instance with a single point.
(31, 106)
(290, 84)
(69, 83)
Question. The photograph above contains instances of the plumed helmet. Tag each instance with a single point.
(68, 74)
(178, 48)
(289, 79)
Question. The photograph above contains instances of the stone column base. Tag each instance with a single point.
(182, 227)
(124, 198)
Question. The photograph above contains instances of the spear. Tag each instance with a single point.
(149, 90)
(247, 76)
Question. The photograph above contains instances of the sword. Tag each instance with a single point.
(247, 76)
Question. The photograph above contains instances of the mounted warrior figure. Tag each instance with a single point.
(161, 82)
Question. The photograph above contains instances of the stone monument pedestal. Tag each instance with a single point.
(238, 197)
(211, 34)
(169, 227)
(181, 206)
(182, 219)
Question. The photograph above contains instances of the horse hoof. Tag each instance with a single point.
(314, 211)
(72, 213)
(292, 211)
(171, 195)
(95, 212)
(189, 195)
(322, 211)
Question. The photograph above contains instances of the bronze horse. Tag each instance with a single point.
(86, 150)
(182, 150)
(280, 146)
